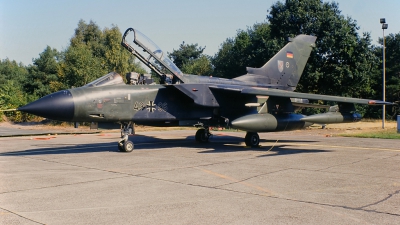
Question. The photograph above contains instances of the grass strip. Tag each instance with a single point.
(382, 134)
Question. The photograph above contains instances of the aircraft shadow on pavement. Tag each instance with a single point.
(288, 150)
(69, 149)
(221, 144)
(217, 144)
(269, 146)
(226, 143)
(270, 150)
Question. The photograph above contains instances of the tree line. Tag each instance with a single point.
(344, 63)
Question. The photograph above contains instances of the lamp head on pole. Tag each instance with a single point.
(384, 24)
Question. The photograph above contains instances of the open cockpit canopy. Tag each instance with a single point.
(150, 54)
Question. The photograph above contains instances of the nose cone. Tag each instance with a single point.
(56, 106)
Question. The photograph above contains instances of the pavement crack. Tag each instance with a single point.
(382, 200)
(344, 164)
(342, 206)
(222, 188)
(78, 166)
(195, 166)
(393, 156)
(248, 178)
(345, 207)
(62, 185)
(19, 215)
(269, 195)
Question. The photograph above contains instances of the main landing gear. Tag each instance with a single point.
(124, 145)
(203, 134)
(252, 139)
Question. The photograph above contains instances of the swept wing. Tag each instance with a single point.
(291, 94)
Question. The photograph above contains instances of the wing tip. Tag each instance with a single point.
(377, 102)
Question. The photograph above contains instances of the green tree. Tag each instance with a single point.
(89, 35)
(11, 70)
(232, 56)
(392, 67)
(185, 54)
(12, 97)
(342, 62)
(93, 53)
(83, 61)
(115, 58)
(79, 66)
(392, 73)
(42, 73)
(12, 77)
(199, 66)
(250, 48)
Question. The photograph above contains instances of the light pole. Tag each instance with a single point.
(384, 27)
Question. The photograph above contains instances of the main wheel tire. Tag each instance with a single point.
(201, 136)
(128, 146)
(252, 139)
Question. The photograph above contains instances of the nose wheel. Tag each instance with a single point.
(125, 145)
(252, 139)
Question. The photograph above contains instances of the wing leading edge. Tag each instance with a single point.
(291, 94)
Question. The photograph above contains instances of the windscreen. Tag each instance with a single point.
(112, 78)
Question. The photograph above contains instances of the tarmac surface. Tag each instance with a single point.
(26, 130)
(293, 178)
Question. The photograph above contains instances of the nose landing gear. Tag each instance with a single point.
(124, 145)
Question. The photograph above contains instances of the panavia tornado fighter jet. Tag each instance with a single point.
(200, 101)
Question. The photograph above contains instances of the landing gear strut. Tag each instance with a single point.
(203, 134)
(124, 145)
(252, 139)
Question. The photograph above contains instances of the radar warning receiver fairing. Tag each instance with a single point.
(200, 101)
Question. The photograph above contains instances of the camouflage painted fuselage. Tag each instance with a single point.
(153, 104)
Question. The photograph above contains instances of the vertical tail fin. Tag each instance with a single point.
(284, 70)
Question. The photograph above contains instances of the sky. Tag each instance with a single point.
(27, 27)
